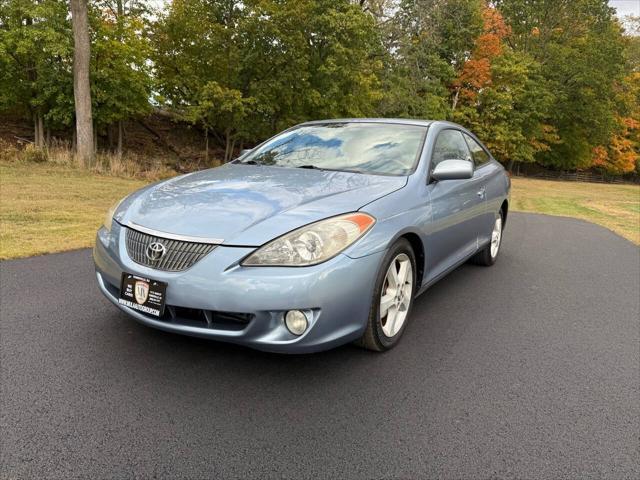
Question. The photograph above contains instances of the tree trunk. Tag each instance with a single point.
(455, 99)
(47, 139)
(119, 151)
(206, 145)
(36, 135)
(110, 137)
(40, 131)
(81, 85)
(233, 147)
(227, 135)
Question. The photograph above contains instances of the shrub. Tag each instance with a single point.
(33, 154)
(59, 152)
(8, 151)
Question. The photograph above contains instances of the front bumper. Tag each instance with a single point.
(335, 294)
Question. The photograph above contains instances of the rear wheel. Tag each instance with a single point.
(489, 254)
(392, 299)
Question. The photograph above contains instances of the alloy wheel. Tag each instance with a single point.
(496, 236)
(396, 295)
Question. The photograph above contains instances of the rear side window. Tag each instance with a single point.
(479, 154)
(449, 146)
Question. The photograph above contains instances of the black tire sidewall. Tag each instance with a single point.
(401, 246)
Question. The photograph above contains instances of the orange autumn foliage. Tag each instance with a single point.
(476, 72)
(621, 155)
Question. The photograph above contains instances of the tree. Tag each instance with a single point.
(502, 96)
(579, 47)
(81, 83)
(221, 109)
(283, 61)
(540, 81)
(343, 60)
(198, 48)
(475, 73)
(427, 41)
(120, 73)
(511, 113)
(35, 63)
(622, 153)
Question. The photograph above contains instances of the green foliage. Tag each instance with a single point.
(580, 48)
(120, 74)
(429, 40)
(35, 58)
(277, 62)
(547, 81)
(510, 113)
(219, 107)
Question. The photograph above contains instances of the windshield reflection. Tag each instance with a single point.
(381, 148)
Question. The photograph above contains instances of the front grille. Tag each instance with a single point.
(179, 255)
(207, 318)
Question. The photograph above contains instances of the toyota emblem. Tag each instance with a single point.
(155, 251)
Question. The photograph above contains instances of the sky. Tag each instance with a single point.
(626, 7)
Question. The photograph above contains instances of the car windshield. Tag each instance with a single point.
(379, 148)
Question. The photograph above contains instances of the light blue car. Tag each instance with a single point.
(320, 236)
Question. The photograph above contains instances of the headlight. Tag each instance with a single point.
(314, 243)
(108, 218)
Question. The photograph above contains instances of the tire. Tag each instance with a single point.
(384, 333)
(488, 255)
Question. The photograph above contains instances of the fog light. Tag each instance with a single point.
(296, 322)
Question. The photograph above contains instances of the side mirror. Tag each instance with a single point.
(453, 170)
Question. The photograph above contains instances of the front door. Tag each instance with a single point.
(457, 208)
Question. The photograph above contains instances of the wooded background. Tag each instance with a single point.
(551, 82)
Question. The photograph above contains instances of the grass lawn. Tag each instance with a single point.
(47, 208)
(616, 207)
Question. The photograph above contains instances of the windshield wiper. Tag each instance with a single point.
(314, 167)
(311, 167)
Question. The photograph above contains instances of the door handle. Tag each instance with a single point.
(481, 192)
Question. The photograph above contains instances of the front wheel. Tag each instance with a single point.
(392, 298)
(489, 254)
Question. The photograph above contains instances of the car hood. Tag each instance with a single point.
(249, 205)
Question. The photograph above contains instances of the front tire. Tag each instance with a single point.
(392, 299)
(489, 254)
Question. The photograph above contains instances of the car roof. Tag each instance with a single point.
(398, 121)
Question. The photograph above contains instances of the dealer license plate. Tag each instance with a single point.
(143, 294)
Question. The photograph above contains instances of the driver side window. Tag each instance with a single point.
(450, 145)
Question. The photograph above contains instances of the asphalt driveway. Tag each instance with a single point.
(528, 369)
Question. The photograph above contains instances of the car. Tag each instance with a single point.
(322, 235)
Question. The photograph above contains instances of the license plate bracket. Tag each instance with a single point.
(143, 294)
